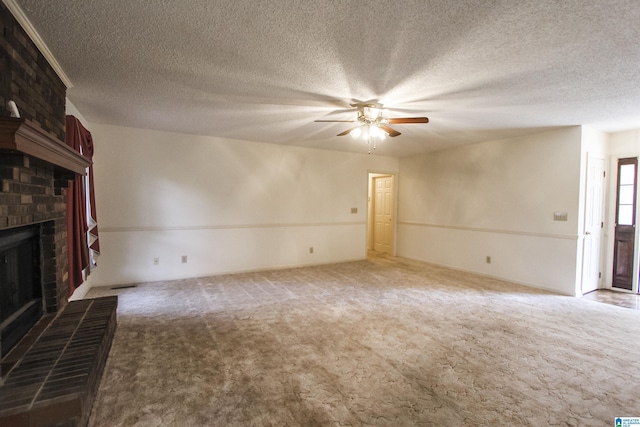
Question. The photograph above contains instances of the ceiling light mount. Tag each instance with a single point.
(369, 114)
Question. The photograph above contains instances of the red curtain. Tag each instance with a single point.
(82, 227)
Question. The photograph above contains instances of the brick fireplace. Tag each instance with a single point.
(35, 163)
(52, 374)
(50, 377)
(35, 168)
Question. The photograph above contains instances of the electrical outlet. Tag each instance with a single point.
(488, 260)
(156, 261)
(311, 250)
(184, 259)
(354, 210)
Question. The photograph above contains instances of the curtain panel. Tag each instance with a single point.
(82, 225)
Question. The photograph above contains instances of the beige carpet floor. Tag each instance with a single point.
(376, 342)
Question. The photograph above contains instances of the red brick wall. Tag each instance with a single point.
(29, 192)
(27, 78)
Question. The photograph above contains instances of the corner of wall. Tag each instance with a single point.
(71, 110)
(81, 291)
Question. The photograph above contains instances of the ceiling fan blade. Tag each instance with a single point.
(407, 120)
(392, 132)
(336, 121)
(346, 132)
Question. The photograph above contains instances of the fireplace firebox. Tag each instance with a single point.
(20, 284)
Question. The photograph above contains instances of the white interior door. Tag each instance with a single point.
(591, 262)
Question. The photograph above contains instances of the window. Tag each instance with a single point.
(625, 209)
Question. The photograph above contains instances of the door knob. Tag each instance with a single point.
(588, 233)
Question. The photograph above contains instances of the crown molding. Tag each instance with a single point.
(17, 13)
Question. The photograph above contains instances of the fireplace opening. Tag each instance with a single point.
(20, 284)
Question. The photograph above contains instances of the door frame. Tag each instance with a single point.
(610, 221)
(370, 212)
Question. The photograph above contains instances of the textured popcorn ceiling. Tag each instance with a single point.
(265, 70)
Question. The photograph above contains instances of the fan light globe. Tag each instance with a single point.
(366, 133)
(375, 132)
(355, 133)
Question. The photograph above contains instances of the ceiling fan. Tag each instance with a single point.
(371, 124)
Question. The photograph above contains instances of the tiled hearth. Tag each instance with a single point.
(54, 382)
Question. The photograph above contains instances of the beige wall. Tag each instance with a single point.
(237, 206)
(497, 199)
(227, 205)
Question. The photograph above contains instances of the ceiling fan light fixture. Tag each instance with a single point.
(372, 126)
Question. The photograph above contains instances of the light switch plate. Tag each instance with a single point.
(559, 216)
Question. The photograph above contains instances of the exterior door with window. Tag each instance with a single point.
(625, 225)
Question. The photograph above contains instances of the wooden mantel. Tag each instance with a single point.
(25, 136)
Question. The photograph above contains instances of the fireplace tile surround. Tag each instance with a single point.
(29, 196)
